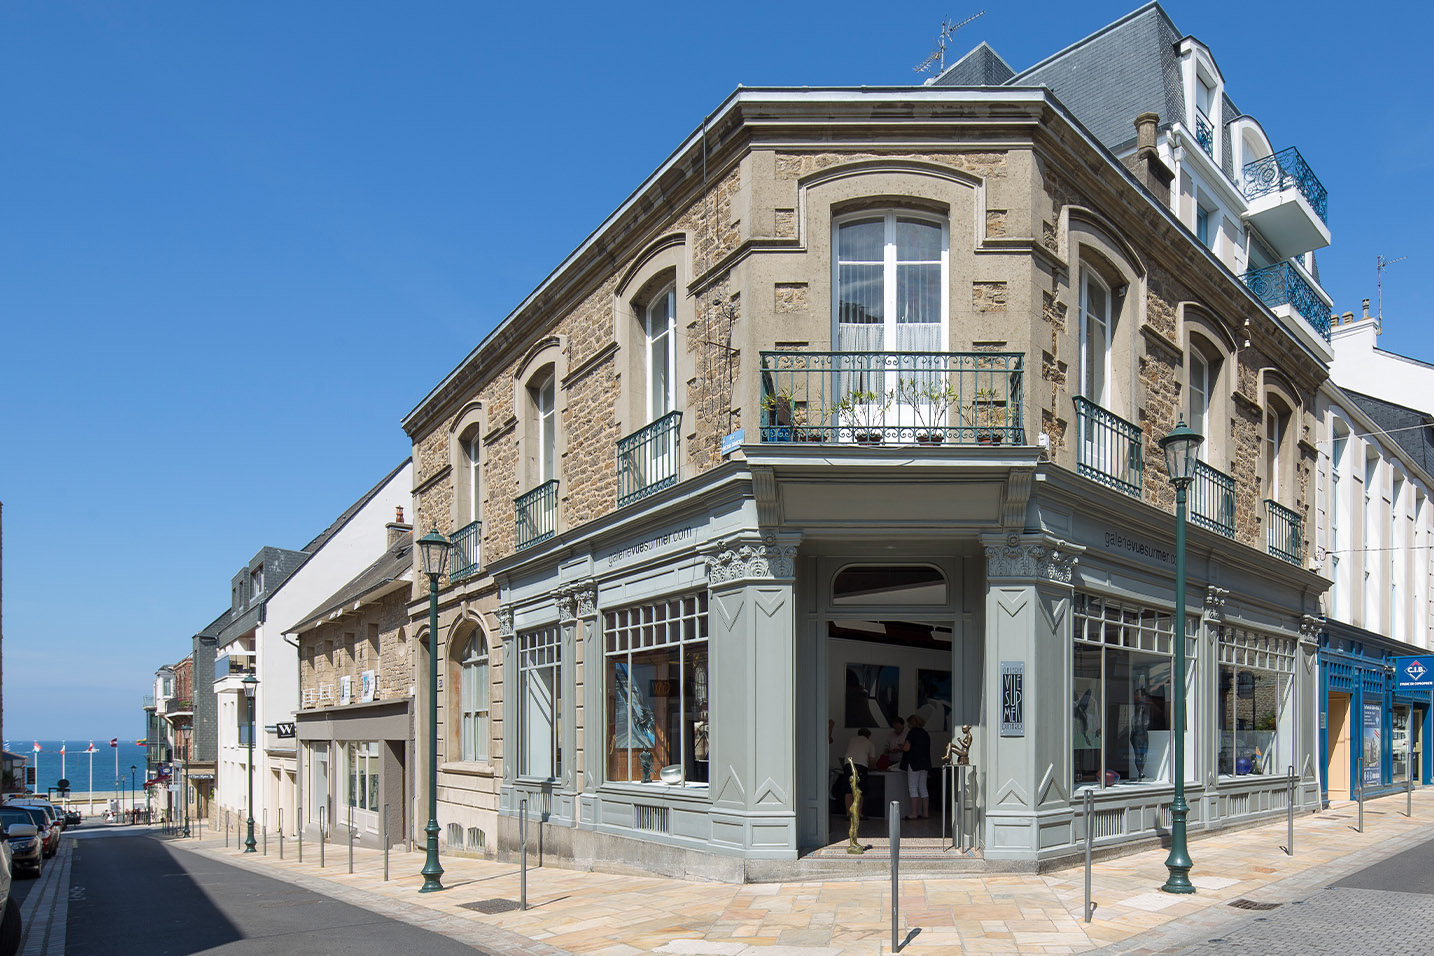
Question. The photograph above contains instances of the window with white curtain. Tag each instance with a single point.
(474, 700)
(891, 279)
(544, 394)
(659, 323)
(1095, 328)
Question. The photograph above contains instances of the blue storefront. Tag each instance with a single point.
(1376, 704)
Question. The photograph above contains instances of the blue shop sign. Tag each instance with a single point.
(1413, 673)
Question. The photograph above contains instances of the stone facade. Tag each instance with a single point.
(375, 637)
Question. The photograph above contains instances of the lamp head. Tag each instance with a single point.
(1180, 447)
(434, 548)
(251, 684)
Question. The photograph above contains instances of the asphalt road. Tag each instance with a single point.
(1383, 910)
(129, 893)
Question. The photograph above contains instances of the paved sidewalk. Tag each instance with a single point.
(597, 914)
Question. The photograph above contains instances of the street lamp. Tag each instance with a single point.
(133, 816)
(251, 684)
(434, 548)
(1180, 447)
(184, 793)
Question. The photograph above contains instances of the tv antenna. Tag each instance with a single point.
(1380, 264)
(938, 55)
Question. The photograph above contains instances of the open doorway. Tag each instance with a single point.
(1338, 731)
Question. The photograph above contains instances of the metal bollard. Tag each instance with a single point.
(300, 833)
(523, 854)
(226, 829)
(1289, 847)
(1089, 847)
(1360, 828)
(1409, 794)
(322, 836)
(385, 843)
(264, 829)
(893, 835)
(281, 833)
(351, 838)
(961, 807)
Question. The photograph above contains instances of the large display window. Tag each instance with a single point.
(1255, 680)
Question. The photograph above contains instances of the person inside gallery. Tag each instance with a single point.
(895, 742)
(916, 761)
(862, 752)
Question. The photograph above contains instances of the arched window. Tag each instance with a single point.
(1277, 424)
(659, 321)
(891, 280)
(473, 698)
(1095, 331)
(915, 584)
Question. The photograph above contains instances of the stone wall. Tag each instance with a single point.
(374, 638)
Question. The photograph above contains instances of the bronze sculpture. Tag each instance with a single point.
(854, 811)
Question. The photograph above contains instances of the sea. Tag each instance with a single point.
(77, 762)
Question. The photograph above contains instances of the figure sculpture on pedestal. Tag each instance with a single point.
(854, 811)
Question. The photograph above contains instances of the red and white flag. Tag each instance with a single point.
(37, 746)
(92, 748)
(62, 748)
(114, 742)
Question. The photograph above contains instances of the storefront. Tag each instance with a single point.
(1376, 701)
(353, 770)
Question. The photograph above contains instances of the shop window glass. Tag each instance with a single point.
(1255, 677)
(362, 761)
(889, 584)
(540, 704)
(1123, 692)
(657, 692)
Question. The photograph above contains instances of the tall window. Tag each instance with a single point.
(1202, 226)
(1371, 538)
(319, 783)
(361, 759)
(891, 272)
(1201, 386)
(544, 393)
(659, 322)
(1336, 516)
(1123, 692)
(1276, 423)
(657, 692)
(473, 703)
(1254, 697)
(540, 704)
(1095, 327)
(471, 476)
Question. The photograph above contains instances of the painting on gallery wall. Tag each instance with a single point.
(872, 695)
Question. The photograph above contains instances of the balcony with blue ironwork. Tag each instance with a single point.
(647, 460)
(1108, 448)
(536, 515)
(466, 551)
(1204, 132)
(1283, 532)
(1287, 203)
(892, 398)
(1212, 500)
(1284, 288)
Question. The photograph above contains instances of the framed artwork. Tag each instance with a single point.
(1085, 714)
(872, 695)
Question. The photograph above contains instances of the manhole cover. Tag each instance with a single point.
(1243, 904)
(490, 906)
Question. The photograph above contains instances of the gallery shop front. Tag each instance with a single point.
(682, 683)
(1376, 702)
(353, 769)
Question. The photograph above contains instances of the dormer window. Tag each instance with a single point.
(256, 582)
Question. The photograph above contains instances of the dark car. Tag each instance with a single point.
(73, 818)
(27, 845)
(49, 830)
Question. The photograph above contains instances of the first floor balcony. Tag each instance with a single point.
(1283, 532)
(466, 542)
(1286, 291)
(892, 398)
(1108, 448)
(536, 515)
(1287, 203)
(230, 668)
(647, 460)
(1212, 500)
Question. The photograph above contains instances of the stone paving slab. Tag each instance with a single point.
(600, 914)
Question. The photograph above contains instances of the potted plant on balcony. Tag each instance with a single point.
(988, 415)
(778, 414)
(862, 414)
(926, 399)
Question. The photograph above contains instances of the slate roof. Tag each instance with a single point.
(983, 66)
(393, 565)
(352, 510)
(1403, 425)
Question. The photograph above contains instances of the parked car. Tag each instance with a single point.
(9, 908)
(48, 830)
(73, 818)
(27, 846)
(56, 815)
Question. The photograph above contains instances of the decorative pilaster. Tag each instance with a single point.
(771, 557)
(1030, 556)
(505, 623)
(576, 601)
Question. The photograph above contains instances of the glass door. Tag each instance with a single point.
(1399, 743)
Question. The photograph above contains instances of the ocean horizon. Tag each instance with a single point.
(77, 763)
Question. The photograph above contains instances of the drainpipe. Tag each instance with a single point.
(298, 750)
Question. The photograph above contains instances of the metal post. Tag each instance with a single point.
(1089, 846)
(351, 838)
(1290, 847)
(432, 870)
(523, 854)
(249, 839)
(281, 833)
(1360, 828)
(385, 843)
(948, 796)
(1178, 863)
(1409, 794)
(893, 835)
(226, 829)
(961, 807)
(264, 831)
(321, 836)
(300, 833)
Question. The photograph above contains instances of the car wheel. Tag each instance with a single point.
(10, 928)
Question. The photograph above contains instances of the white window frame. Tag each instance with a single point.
(661, 309)
(474, 478)
(889, 264)
(474, 700)
(1088, 363)
(1202, 387)
(540, 683)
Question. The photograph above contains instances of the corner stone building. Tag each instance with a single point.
(850, 412)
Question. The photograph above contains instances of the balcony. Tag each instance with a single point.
(176, 707)
(1283, 532)
(536, 515)
(466, 542)
(1212, 500)
(647, 459)
(1108, 448)
(1204, 133)
(1284, 289)
(1286, 203)
(892, 398)
(229, 671)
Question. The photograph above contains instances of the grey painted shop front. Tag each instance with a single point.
(682, 681)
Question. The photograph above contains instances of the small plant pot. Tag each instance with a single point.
(930, 438)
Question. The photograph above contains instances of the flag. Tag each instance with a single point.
(62, 748)
(114, 741)
(92, 748)
(140, 743)
(37, 746)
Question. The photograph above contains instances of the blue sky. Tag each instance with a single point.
(239, 241)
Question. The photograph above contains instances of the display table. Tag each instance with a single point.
(894, 788)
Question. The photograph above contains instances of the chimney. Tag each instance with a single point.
(1146, 164)
(1348, 318)
(398, 532)
(1366, 308)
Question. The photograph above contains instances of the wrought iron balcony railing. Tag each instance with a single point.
(536, 515)
(466, 541)
(1204, 132)
(1281, 284)
(647, 459)
(1283, 533)
(1286, 169)
(892, 398)
(1212, 500)
(1108, 448)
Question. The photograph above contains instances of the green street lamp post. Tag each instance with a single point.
(184, 793)
(1180, 448)
(251, 684)
(133, 808)
(434, 548)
